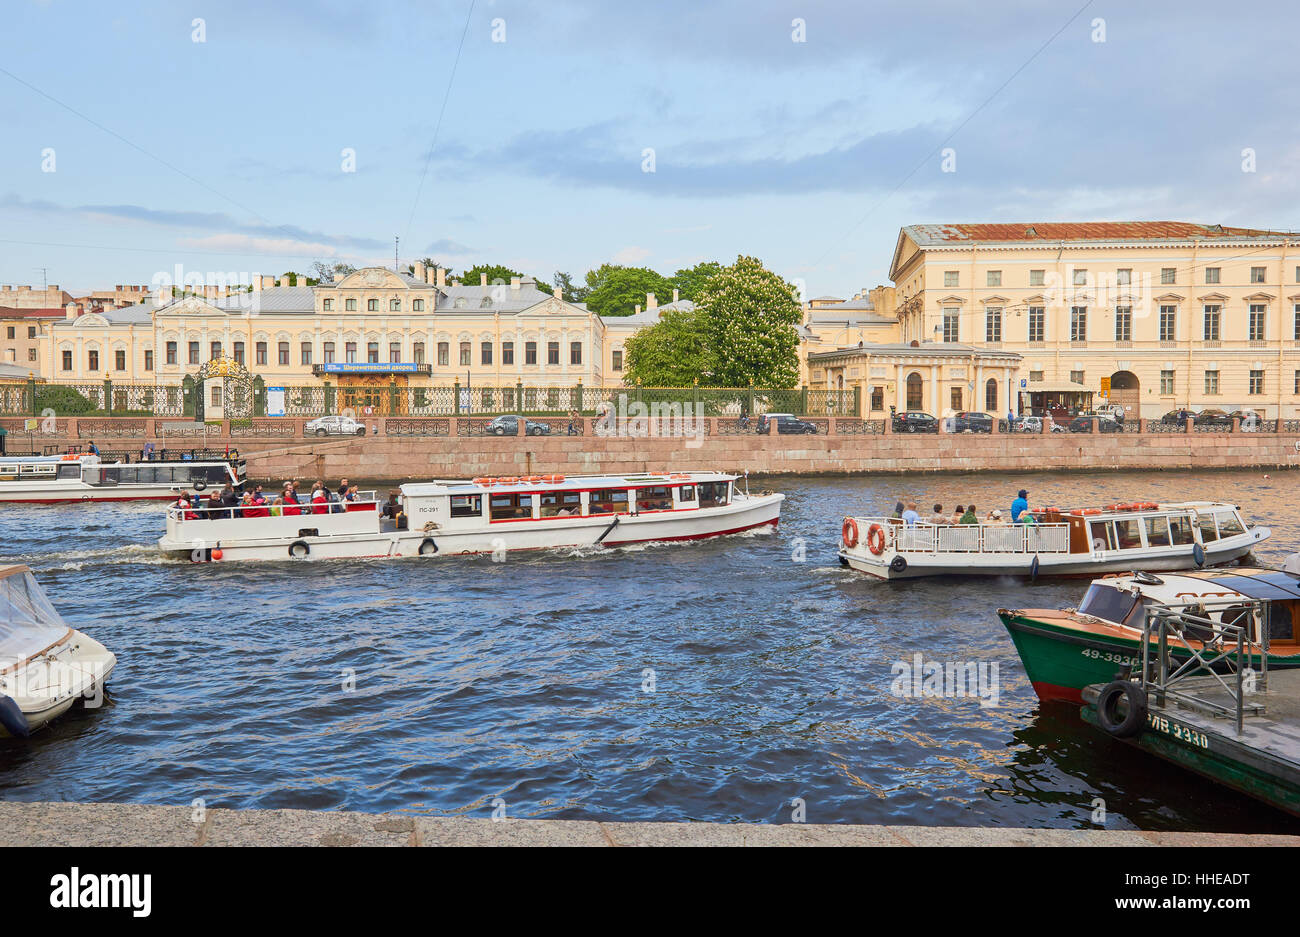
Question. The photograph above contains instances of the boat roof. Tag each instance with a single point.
(1253, 582)
(92, 458)
(574, 482)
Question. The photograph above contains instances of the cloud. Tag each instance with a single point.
(447, 246)
(630, 256)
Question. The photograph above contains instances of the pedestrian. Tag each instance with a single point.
(93, 448)
(148, 452)
(1019, 505)
(910, 517)
(970, 516)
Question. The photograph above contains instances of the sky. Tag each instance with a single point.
(245, 136)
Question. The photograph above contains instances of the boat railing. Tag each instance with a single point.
(923, 537)
(365, 501)
(1220, 651)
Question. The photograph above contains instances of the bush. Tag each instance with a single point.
(64, 401)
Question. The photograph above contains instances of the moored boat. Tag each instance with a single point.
(1065, 650)
(46, 666)
(79, 477)
(1079, 542)
(480, 516)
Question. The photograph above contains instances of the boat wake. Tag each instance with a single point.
(139, 554)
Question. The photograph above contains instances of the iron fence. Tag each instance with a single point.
(852, 427)
(404, 427)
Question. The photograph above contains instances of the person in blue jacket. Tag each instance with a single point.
(1020, 504)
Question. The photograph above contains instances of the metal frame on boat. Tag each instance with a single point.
(1084, 541)
(485, 515)
(81, 477)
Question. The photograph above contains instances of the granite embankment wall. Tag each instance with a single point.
(397, 458)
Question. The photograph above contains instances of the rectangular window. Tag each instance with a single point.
(466, 505)
(1167, 274)
(1297, 384)
(350, 305)
(350, 352)
(31, 331)
(417, 305)
(1168, 323)
(1036, 277)
(575, 352)
(1256, 274)
(417, 352)
(951, 278)
(304, 355)
(92, 361)
(1212, 322)
(1211, 274)
(507, 352)
(560, 504)
(372, 305)
(1256, 322)
(993, 323)
(329, 305)
(67, 362)
(951, 318)
(1167, 383)
(194, 352)
(239, 352)
(216, 351)
(607, 501)
(530, 352)
(1080, 277)
(260, 351)
(1037, 323)
(394, 352)
(394, 305)
(171, 352)
(485, 353)
(1256, 382)
(372, 352)
(327, 353)
(1078, 323)
(1123, 323)
(465, 352)
(1211, 382)
(119, 360)
(1295, 311)
(552, 352)
(993, 278)
(31, 354)
(9, 332)
(1123, 277)
(1036, 375)
(444, 354)
(148, 359)
(617, 363)
(282, 353)
(1076, 377)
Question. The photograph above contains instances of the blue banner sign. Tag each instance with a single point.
(370, 367)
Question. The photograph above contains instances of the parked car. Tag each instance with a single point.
(509, 426)
(785, 423)
(1212, 417)
(1250, 419)
(1114, 411)
(914, 421)
(1179, 416)
(334, 426)
(1104, 424)
(1034, 424)
(972, 421)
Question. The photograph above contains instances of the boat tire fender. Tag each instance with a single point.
(428, 542)
(1198, 554)
(898, 564)
(295, 553)
(876, 540)
(1107, 710)
(199, 484)
(12, 718)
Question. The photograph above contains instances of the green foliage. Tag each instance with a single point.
(674, 352)
(494, 273)
(752, 315)
(569, 292)
(326, 271)
(622, 289)
(690, 281)
(63, 400)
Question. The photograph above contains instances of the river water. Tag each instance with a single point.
(718, 680)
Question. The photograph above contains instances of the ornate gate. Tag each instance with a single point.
(236, 398)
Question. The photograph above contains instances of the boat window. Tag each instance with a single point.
(712, 494)
(686, 494)
(608, 501)
(511, 507)
(1180, 530)
(1111, 604)
(1127, 535)
(1206, 523)
(1229, 524)
(658, 498)
(561, 503)
(70, 470)
(1102, 535)
(1281, 625)
(1157, 531)
(466, 505)
(208, 473)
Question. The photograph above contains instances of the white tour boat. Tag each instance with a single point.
(80, 477)
(1080, 542)
(484, 515)
(45, 666)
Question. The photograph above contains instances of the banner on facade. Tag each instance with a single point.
(369, 367)
(275, 401)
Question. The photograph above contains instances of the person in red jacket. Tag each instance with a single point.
(290, 508)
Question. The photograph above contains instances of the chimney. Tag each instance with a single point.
(69, 312)
(514, 283)
(257, 283)
(650, 301)
(53, 288)
(675, 291)
(441, 275)
(284, 281)
(482, 279)
(638, 309)
(22, 288)
(419, 271)
(118, 287)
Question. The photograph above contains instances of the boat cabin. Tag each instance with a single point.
(91, 471)
(1149, 526)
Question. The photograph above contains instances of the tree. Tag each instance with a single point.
(690, 281)
(495, 273)
(752, 316)
(326, 271)
(569, 292)
(621, 289)
(674, 352)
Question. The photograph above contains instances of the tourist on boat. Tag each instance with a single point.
(289, 503)
(1020, 504)
(957, 515)
(344, 485)
(898, 511)
(229, 500)
(319, 500)
(994, 517)
(148, 452)
(214, 511)
(392, 509)
(1027, 517)
(969, 517)
(910, 517)
(938, 518)
(93, 448)
(186, 507)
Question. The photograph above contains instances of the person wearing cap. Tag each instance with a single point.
(1020, 504)
(995, 517)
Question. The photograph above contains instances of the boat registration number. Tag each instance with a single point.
(1093, 654)
(1180, 732)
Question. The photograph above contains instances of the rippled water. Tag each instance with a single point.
(524, 680)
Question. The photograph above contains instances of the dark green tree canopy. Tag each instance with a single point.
(672, 353)
(752, 317)
(622, 289)
(497, 272)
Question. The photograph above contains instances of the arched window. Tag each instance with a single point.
(991, 396)
(914, 391)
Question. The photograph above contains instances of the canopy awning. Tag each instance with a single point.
(28, 622)
(1055, 387)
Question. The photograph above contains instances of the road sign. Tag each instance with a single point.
(1023, 382)
(1105, 387)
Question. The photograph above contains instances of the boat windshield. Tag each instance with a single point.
(1229, 523)
(1111, 604)
(28, 622)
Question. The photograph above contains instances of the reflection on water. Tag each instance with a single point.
(438, 686)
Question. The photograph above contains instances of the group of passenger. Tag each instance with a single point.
(967, 514)
(225, 503)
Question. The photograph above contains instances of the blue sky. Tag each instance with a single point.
(227, 154)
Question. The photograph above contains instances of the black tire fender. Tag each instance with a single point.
(199, 485)
(306, 549)
(427, 542)
(1108, 711)
(898, 564)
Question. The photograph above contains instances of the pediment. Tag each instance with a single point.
(373, 278)
(553, 307)
(950, 299)
(1170, 298)
(1213, 298)
(191, 306)
(996, 300)
(91, 320)
(1260, 298)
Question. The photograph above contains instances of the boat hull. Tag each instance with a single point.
(45, 689)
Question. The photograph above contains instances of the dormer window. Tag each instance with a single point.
(486, 303)
(460, 303)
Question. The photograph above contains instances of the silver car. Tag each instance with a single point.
(334, 426)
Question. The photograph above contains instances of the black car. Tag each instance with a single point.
(786, 423)
(914, 421)
(972, 421)
(1212, 417)
(1104, 424)
(509, 426)
(1178, 417)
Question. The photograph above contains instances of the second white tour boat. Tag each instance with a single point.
(71, 478)
(1080, 542)
(480, 516)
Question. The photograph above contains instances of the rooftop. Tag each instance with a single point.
(1052, 231)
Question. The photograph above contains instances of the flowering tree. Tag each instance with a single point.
(751, 315)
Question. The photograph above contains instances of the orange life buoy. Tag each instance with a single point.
(849, 532)
(1091, 511)
(530, 479)
(1150, 506)
(876, 539)
(507, 480)
(485, 482)
(552, 479)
